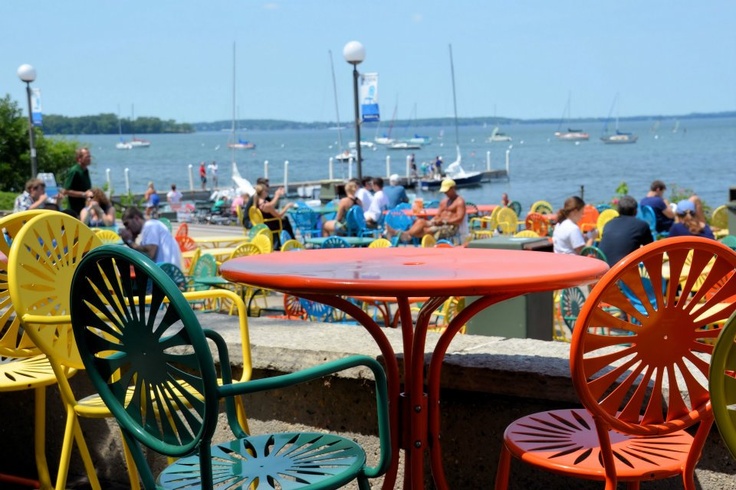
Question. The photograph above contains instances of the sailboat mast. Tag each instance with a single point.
(232, 127)
(454, 97)
(337, 109)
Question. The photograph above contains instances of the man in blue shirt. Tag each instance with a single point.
(395, 192)
(661, 206)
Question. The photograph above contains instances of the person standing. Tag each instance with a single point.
(156, 240)
(173, 197)
(33, 197)
(438, 167)
(152, 200)
(395, 192)
(567, 237)
(213, 171)
(624, 233)
(203, 176)
(78, 183)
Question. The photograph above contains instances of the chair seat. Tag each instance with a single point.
(565, 441)
(287, 460)
(22, 373)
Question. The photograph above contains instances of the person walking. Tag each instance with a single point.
(78, 183)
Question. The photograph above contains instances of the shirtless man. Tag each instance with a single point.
(450, 215)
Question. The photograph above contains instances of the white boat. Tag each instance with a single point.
(123, 145)
(384, 140)
(404, 145)
(571, 134)
(139, 143)
(420, 140)
(455, 170)
(618, 137)
(233, 142)
(133, 142)
(497, 136)
(346, 156)
(363, 144)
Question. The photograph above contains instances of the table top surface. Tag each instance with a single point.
(414, 271)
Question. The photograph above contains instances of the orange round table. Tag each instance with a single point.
(327, 276)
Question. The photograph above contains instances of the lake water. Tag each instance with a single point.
(700, 156)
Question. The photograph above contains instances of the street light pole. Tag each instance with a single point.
(28, 74)
(354, 53)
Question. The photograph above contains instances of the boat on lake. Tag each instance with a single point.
(497, 136)
(618, 137)
(233, 143)
(404, 145)
(571, 134)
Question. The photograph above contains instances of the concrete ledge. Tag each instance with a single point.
(487, 383)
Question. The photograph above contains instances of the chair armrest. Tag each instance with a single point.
(326, 369)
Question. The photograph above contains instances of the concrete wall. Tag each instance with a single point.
(487, 383)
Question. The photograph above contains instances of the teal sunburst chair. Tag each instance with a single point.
(162, 349)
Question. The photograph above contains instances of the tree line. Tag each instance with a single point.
(109, 123)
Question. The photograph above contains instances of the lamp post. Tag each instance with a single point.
(28, 74)
(354, 53)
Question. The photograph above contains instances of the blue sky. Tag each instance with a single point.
(173, 58)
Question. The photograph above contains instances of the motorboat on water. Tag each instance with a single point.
(139, 143)
(497, 136)
(456, 172)
(347, 156)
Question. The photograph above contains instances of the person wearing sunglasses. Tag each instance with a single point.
(687, 222)
(34, 197)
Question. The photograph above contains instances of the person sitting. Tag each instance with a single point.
(156, 240)
(268, 209)
(33, 197)
(379, 204)
(450, 217)
(624, 233)
(99, 211)
(395, 192)
(567, 237)
(249, 202)
(337, 226)
(687, 222)
(663, 210)
(365, 192)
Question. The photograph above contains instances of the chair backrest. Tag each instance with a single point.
(537, 223)
(107, 236)
(258, 229)
(166, 222)
(290, 245)
(306, 220)
(335, 242)
(190, 263)
(182, 230)
(593, 251)
(516, 206)
(506, 220)
(42, 261)
(653, 378)
(603, 218)
(541, 207)
(14, 341)
(175, 274)
(429, 241)
(255, 215)
(719, 219)
(285, 236)
(263, 242)
(379, 243)
(245, 249)
(589, 219)
(114, 334)
(526, 234)
(646, 213)
(206, 266)
(186, 243)
(721, 384)
(355, 221)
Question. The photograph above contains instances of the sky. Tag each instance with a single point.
(173, 59)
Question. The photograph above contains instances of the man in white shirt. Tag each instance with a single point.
(379, 204)
(213, 170)
(365, 189)
(173, 196)
(156, 240)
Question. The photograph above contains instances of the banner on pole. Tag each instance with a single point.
(36, 107)
(369, 97)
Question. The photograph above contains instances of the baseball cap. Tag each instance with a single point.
(447, 184)
(685, 206)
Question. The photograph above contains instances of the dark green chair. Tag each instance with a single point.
(160, 349)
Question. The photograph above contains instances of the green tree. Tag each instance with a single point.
(53, 156)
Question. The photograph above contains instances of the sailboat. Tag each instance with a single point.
(134, 142)
(618, 137)
(239, 144)
(454, 171)
(496, 135)
(571, 134)
(343, 155)
(386, 139)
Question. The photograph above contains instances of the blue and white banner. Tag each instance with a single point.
(36, 106)
(369, 97)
